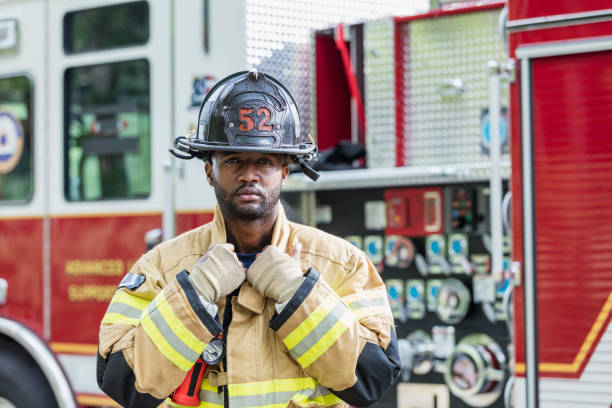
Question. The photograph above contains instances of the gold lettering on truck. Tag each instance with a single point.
(102, 267)
(85, 293)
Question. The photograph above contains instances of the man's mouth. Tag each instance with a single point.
(248, 194)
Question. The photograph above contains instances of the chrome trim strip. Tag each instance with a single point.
(169, 163)
(395, 176)
(531, 352)
(44, 358)
(46, 277)
(495, 181)
(559, 20)
(3, 291)
(46, 182)
(564, 48)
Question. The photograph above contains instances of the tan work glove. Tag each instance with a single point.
(275, 274)
(218, 273)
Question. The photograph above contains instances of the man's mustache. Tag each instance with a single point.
(250, 188)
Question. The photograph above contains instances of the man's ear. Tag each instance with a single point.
(285, 173)
(208, 169)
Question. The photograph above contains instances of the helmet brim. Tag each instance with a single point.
(210, 147)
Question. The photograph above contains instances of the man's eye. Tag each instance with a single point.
(265, 161)
(232, 160)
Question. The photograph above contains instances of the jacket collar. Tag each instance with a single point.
(248, 297)
(281, 234)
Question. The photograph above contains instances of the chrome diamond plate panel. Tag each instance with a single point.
(380, 93)
(441, 127)
(279, 35)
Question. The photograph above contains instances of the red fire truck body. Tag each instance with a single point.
(561, 116)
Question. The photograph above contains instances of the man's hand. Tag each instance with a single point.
(275, 274)
(218, 273)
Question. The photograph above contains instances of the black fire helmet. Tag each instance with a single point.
(249, 111)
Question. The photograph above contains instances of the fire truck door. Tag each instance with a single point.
(566, 102)
(109, 125)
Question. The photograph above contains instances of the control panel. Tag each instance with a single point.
(432, 248)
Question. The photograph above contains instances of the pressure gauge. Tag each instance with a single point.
(416, 354)
(423, 347)
(435, 246)
(453, 301)
(399, 251)
(475, 371)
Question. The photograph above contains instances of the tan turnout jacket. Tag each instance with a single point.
(155, 329)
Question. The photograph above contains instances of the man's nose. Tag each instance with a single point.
(249, 173)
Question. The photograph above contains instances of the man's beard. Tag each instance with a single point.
(267, 202)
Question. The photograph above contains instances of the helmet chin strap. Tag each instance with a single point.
(181, 156)
(307, 170)
(183, 144)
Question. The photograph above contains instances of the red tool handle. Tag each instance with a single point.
(188, 393)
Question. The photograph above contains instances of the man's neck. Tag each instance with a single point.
(250, 236)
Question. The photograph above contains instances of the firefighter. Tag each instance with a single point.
(282, 314)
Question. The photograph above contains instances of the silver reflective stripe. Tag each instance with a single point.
(319, 331)
(211, 397)
(245, 401)
(360, 304)
(175, 342)
(307, 395)
(271, 398)
(124, 310)
(320, 391)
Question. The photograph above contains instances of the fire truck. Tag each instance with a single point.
(463, 146)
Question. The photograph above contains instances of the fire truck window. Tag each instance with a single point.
(16, 167)
(107, 131)
(107, 27)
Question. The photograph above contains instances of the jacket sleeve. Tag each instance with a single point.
(352, 323)
(151, 335)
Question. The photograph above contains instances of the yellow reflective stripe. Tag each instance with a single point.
(206, 385)
(304, 391)
(325, 400)
(310, 322)
(163, 346)
(122, 296)
(326, 341)
(116, 318)
(371, 302)
(132, 305)
(369, 312)
(370, 294)
(264, 387)
(370, 306)
(178, 327)
(203, 404)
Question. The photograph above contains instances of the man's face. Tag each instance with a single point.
(247, 185)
